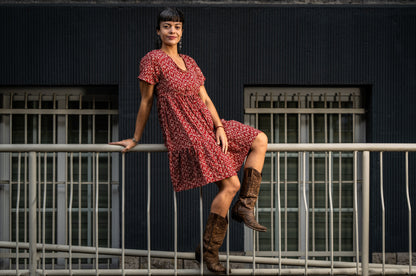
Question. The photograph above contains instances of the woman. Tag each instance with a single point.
(202, 148)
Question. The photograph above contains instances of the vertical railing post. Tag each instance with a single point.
(331, 211)
(201, 231)
(175, 233)
(149, 264)
(409, 207)
(32, 214)
(366, 213)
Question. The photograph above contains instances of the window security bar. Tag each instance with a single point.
(35, 252)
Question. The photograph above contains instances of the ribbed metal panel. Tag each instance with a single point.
(371, 47)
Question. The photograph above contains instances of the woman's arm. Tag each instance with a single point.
(146, 90)
(219, 128)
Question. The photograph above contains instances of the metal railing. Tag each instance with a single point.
(36, 250)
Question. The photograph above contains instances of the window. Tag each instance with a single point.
(73, 115)
(306, 115)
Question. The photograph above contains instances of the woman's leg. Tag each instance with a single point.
(255, 158)
(243, 210)
(228, 188)
(216, 227)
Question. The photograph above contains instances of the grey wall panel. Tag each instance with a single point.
(367, 46)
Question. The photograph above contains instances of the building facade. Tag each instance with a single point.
(301, 74)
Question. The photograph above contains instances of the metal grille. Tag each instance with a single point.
(61, 115)
(306, 115)
(40, 251)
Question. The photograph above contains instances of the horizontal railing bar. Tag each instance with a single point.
(308, 111)
(379, 147)
(299, 253)
(163, 254)
(59, 111)
(78, 148)
(74, 210)
(317, 210)
(14, 272)
(117, 183)
(57, 255)
(341, 147)
(283, 271)
(190, 256)
(240, 271)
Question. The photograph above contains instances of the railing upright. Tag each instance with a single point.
(305, 202)
(45, 177)
(366, 213)
(279, 221)
(383, 215)
(175, 226)
(17, 212)
(331, 212)
(228, 244)
(149, 268)
(201, 227)
(32, 214)
(123, 182)
(97, 185)
(356, 224)
(409, 207)
(71, 198)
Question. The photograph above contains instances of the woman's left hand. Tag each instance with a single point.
(222, 139)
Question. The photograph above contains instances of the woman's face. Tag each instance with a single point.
(170, 32)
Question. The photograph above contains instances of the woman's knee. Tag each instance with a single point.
(236, 186)
(231, 185)
(261, 141)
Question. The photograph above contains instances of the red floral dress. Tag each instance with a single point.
(195, 158)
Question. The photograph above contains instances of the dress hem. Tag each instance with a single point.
(208, 182)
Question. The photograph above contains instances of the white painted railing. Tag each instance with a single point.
(31, 255)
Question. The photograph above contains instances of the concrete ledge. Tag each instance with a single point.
(399, 258)
(131, 262)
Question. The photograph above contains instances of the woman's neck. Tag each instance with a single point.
(170, 50)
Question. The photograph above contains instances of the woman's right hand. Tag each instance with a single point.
(127, 144)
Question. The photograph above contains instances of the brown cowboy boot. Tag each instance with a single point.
(243, 209)
(214, 235)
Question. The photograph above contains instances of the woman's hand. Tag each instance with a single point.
(127, 144)
(222, 138)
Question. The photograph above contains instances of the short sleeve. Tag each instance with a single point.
(149, 69)
(200, 76)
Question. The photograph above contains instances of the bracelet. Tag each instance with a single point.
(219, 127)
(134, 140)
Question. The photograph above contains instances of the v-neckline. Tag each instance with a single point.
(177, 66)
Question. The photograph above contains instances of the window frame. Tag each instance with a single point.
(97, 101)
(303, 103)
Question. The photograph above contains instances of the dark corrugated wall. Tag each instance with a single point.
(371, 47)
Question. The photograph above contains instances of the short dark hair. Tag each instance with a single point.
(170, 14)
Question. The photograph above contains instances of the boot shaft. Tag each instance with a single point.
(214, 233)
(250, 186)
(243, 209)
